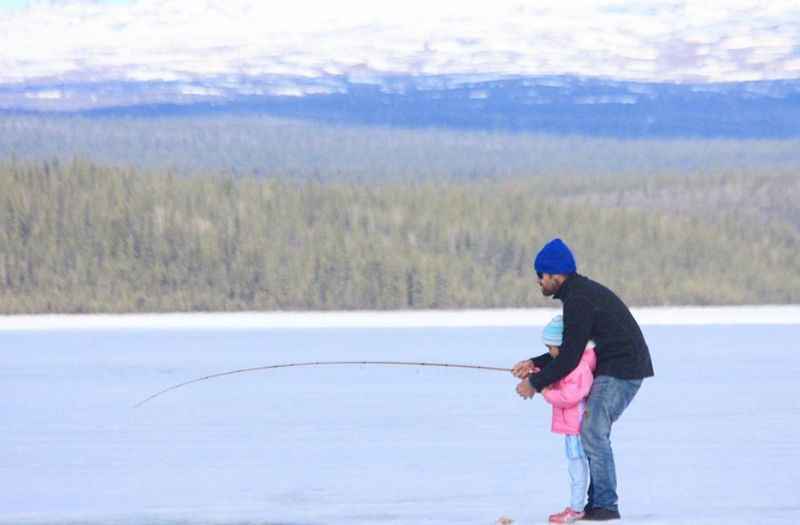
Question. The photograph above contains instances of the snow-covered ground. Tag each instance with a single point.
(699, 315)
(180, 39)
(712, 439)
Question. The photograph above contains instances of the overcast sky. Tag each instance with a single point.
(648, 40)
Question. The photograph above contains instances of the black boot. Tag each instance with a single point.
(600, 514)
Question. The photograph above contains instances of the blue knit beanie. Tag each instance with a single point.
(553, 332)
(555, 258)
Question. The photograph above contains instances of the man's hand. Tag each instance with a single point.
(523, 369)
(525, 390)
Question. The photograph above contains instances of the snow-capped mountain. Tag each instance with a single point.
(586, 66)
(572, 105)
(180, 40)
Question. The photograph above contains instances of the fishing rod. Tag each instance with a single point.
(318, 363)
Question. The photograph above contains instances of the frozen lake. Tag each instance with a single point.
(712, 439)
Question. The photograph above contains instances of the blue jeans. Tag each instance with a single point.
(608, 398)
(578, 472)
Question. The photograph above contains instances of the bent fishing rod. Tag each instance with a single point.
(319, 363)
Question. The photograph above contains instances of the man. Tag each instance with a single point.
(591, 311)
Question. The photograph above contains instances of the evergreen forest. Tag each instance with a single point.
(79, 234)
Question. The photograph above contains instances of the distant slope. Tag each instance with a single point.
(247, 144)
(560, 105)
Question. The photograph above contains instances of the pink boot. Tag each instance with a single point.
(566, 516)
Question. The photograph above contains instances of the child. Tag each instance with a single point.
(567, 397)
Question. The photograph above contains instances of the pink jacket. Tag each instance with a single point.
(568, 395)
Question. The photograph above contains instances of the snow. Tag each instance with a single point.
(50, 94)
(620, 99)
(712, 439)
(683, 315)
(201, 91)
(509, 37)
(148, 75)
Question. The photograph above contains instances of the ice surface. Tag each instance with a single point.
(712, 439)
(695, 315)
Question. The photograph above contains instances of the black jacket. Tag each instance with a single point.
(592, 311)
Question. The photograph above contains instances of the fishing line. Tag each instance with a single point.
(318, 363)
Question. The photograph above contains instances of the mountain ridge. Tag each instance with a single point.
(551, 104)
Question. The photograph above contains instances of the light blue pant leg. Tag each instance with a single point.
(608, 398)
(578, 472)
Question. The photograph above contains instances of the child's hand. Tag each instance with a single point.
(525, 390)
(523, 369)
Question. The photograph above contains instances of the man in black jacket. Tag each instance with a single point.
(591, 312)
